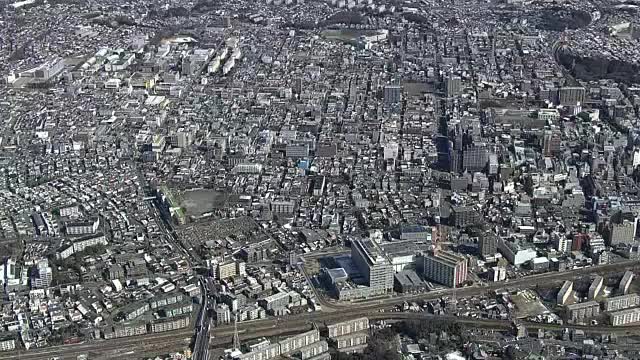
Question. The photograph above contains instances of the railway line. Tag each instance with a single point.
(341, 312)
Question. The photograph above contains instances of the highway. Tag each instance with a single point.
(201, 344)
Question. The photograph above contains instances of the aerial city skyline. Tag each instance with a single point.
(319, 179)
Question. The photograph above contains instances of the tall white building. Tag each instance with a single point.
(636, 157)
(391, 150)
(454, 85)
(563, 244)
(43, 275)
(373, 264)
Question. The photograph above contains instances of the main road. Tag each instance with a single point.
(523, 282)
(344, 311)
(339, 312)
(201, 344)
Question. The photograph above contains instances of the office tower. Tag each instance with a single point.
(454, 85)
(444, 148)
(391, 151)
(493, 164)
(571, 95)
(456, 161)
(462, 216)
(392, 95)
(475, 158)
(373, 264)
(488, 245)
(623, 233)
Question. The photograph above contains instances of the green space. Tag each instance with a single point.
(347, 35)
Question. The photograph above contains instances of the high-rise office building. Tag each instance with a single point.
(475, 158)
(623, 233)
(462, 216)
(571, 95)
(456, 161)
(373, 264)
(391, 150)
(392, 94)
(454, 85)
(445, 149)
(488, 245)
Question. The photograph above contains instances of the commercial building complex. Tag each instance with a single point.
(374, 264)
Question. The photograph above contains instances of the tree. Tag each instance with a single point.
(421, 330)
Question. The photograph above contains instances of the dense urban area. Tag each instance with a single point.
(319, 179)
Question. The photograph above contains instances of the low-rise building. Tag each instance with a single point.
(565, 293)
(624, 317)
(125, 330)
(7, 342)
(264, 353)
(312, 350)
(134, 310)
(595, 287)
(165, 300)
(299, 341)
(173, 324)
(84, 227)
(351, 342)
(176, 310)
(81, 244)
(275, 301)
(627, 278)
(621, 302)
(582, 311)
(226, 270)
(348, 327)
(517, 253)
